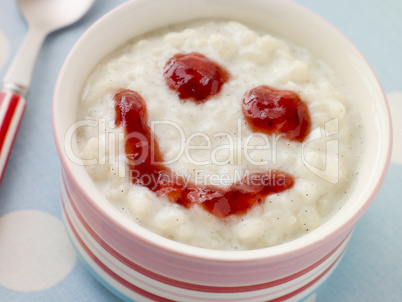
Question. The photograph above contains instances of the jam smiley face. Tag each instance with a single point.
(197, 78)
(217, 135)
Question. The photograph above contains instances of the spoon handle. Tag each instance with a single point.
(15, 85)
(12, 107)
(21, 69)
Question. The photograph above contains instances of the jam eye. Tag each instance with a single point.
(194, 76)
(274, 111)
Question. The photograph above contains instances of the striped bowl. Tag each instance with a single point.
(138, 265)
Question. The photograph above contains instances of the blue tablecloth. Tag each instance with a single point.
(37, 262)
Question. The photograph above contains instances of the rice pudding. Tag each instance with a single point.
(212, 143)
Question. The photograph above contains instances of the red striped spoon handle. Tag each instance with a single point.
(12, 107)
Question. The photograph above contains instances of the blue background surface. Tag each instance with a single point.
(372, 267)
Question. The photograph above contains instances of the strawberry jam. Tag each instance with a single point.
(194, 76)
(147, 169)
(274, 111)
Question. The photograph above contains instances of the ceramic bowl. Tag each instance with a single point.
(139, 265)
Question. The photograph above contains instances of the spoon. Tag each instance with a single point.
(42, 17)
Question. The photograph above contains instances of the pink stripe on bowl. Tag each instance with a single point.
(292, 284)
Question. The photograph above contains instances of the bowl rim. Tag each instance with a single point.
(304, 244)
